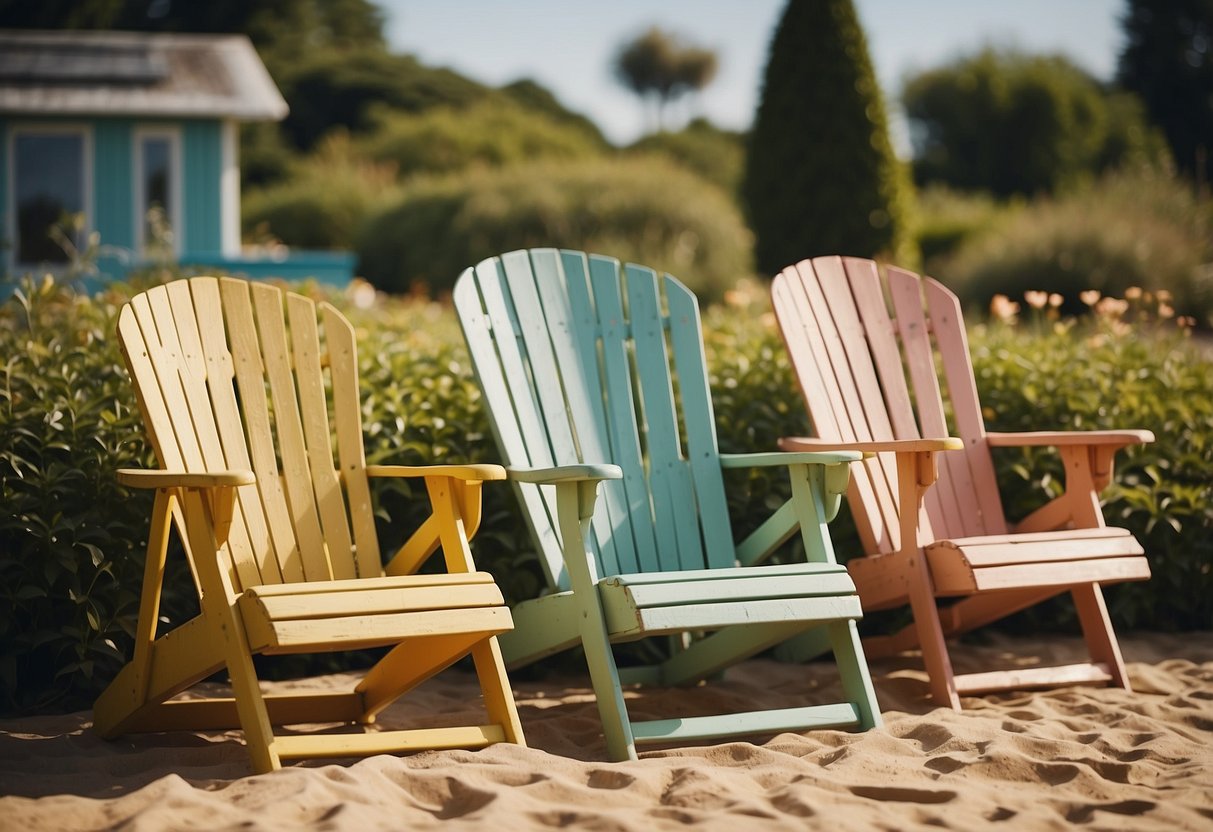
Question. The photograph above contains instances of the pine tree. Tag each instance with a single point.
(821, 176)
(1168, 61)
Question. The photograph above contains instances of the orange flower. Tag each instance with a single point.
(1090, 297)
(1036, 299)
(1003, 308)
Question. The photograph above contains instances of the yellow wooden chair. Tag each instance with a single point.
(237, 393)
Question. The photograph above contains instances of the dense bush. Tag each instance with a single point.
(1105, 373)
(72, 540)
(715, 154)
(646, 210)
(325, 202)
(1011, 123)
(821, 176)
(489, 133)
(944, 219)
(1129, 229)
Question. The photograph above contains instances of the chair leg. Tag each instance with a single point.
(604, 676)
(856, 681)
(219, 607)
(934, 648)
(495, 687)
(1098, 632)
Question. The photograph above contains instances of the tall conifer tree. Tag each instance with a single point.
(821, 176)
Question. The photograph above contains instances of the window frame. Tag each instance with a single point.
(176, 184)
(11, 230)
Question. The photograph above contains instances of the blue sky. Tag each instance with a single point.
(568, 45)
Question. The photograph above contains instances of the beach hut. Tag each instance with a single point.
(135, 134)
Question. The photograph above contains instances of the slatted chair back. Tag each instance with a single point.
(867, 354)
(585, 361)
(234, 375)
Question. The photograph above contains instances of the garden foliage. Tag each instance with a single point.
(1133, 228)
(648, 210)
(821, 176)
(72, 539)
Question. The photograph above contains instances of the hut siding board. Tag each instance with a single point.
(113, 178)
(202, 165)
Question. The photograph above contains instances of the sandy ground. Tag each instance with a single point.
(1071, 758)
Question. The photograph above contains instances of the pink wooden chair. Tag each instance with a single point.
(864, 373)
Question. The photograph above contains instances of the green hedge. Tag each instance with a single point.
(647, 210)
(71, 539)
(1141, 228)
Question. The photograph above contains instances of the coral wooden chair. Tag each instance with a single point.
(594, 377)
(236, 396)
(951, 541)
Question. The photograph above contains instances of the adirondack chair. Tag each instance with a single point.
(951, 541)
(594, 378)
(280, 537)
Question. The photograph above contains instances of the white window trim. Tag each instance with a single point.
(229, 189)
(42, 128)
(175, 186)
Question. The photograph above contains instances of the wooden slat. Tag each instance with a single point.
(555, 368)
(975, 485)
(562, 279)
(175, 305)
(355, 632)
(621, 407)
(371, 601)
(502, 369)
(798, 301)
(734, 590)
(387, 742)
(314, 412)
(846, 348)
(347, 417)
(1028, 678)
(288, 424)
(703, 453)
(220, 378)
(906, 292)
(360, 584)
(250, 378)
(954, 577)
(811, 718)
(726, 574)
(658, 620)
(1006, 550)
(679, 543)
(221, 714)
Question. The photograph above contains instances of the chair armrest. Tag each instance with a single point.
(149, 478)
(1063, 438)
(566, 473)
(476, 472)
(798, 457)
(809, 443)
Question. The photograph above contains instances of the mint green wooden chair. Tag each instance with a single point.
(596, 386)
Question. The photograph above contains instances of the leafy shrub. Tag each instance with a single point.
(944, 219)
(489, 133)
(1065, 127)
(1102, 373)
(645, 210)
(325, 202)
(715, 154)
(1129, 229)
(71, 538)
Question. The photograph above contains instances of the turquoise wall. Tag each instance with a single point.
(202, 166)
(4, 242)
(113, 182)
